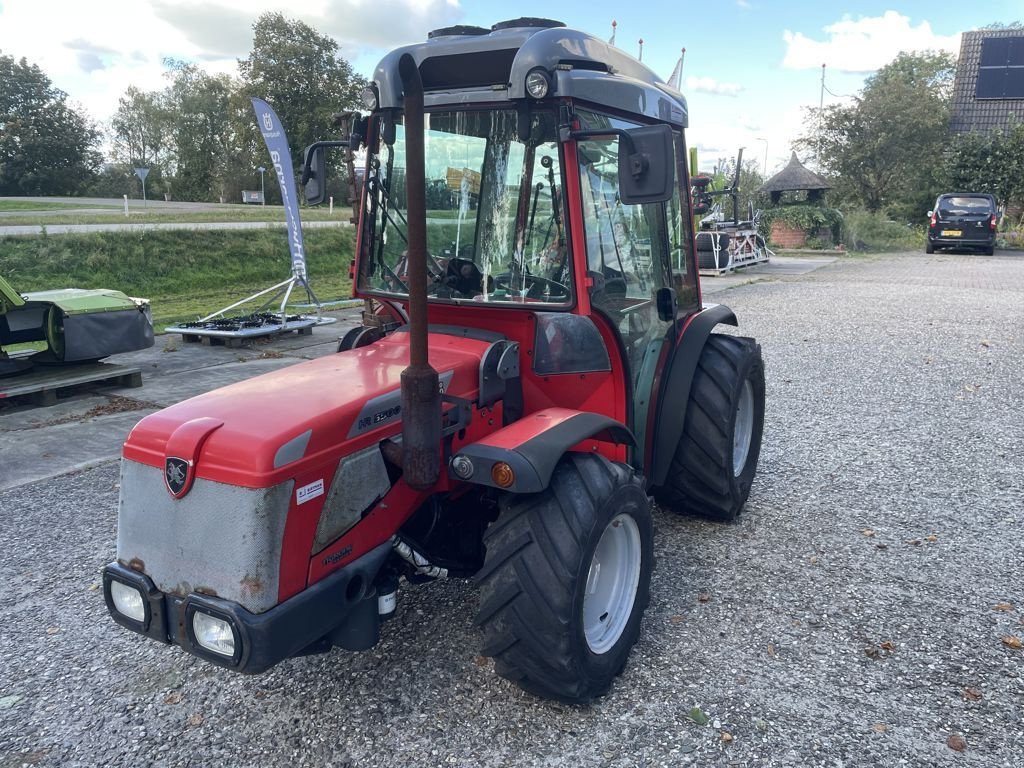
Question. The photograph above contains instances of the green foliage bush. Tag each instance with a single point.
(809, 218)
(865, 231)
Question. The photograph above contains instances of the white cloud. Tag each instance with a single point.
(710, 85)
(864, 44)
(94, 50)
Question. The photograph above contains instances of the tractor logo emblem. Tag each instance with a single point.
(268, 122)
(176, 476)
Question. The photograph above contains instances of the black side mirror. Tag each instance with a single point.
(646, 165)
(314, 174)
(665, 299)
(314, 170)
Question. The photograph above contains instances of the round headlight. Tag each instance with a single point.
(538, 83)
(369, 97)
(462, 466)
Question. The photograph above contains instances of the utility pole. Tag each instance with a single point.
(821, 108)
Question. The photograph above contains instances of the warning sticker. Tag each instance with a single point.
(309, 492)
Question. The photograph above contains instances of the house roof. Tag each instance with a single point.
(794, 177)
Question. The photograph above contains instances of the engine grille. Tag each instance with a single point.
(220, 539)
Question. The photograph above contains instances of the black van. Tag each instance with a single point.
(963, 220)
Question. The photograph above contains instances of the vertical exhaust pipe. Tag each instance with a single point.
(421, 394)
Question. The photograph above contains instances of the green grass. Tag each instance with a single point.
(874, 232)
(29, 205)
(184, 274)
(270, 213)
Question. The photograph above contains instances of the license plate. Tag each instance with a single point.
(951, 233)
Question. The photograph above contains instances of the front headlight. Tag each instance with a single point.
(214, 634)
(128, 601)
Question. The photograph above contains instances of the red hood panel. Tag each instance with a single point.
(346, 397)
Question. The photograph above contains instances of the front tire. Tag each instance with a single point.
(715, 460)
(566, 580)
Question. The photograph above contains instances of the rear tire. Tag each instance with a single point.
(990, 251)
(716, 458)
(566, 580)
(929, 247)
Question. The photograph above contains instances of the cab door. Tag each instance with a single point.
(632, 252)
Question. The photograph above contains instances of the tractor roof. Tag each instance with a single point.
(469, 65)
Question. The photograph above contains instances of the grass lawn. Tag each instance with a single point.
(29, 205)
(270, 213)
(184, 274)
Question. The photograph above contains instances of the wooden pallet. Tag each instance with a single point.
(246, 336)
(43, 384)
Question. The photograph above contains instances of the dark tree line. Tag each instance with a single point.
(198, 135)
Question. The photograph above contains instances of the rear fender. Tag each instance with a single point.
(533, 446)
(675, 388)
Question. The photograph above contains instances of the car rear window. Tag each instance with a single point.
(966, 204)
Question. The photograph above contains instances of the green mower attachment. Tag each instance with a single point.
(76, 325)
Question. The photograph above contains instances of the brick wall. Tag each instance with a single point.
(785, 236)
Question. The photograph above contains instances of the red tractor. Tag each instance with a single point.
(540, 364)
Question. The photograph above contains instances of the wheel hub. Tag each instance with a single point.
(612, 583)
(743, 430)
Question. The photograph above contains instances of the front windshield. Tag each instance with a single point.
(495, 225)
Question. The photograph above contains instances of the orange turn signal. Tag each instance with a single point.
(502, 475)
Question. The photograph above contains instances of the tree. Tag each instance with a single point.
(992, 163)
(140, 130)
(201, 131)
(46, 147)
(299, 73)
(885, 150)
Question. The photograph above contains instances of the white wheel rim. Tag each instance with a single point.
(743, 430)
(612, 583)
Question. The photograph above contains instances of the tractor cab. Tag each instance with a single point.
(555, 203)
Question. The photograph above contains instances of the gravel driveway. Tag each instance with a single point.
(862, 613)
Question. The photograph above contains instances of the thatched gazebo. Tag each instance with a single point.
(795, 177)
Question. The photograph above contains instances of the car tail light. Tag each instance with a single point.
(992, 223)
(935, 218)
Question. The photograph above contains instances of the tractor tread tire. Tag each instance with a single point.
(701, 480)
(532, 582)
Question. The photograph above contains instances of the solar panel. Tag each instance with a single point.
(991, 83)
(1014, 87)
(995, 51)
(1001, 68)
(1015, 56)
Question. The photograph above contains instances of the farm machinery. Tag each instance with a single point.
(723, 245)
(537, 365)
(69, 326)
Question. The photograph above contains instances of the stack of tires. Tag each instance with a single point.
(706, 244)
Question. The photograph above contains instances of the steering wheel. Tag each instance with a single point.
(535, 285)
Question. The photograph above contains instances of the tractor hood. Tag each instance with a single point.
(252, 433)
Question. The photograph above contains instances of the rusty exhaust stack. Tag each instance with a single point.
(421, 394)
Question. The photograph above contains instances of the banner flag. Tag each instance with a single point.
(676, 78)
(280, 156)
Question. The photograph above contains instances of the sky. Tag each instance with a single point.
(751, 66)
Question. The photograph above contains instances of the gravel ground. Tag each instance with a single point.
(858, 615)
